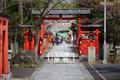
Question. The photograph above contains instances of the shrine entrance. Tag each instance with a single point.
(61, 13)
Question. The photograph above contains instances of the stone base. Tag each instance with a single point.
(40, 57)
(4, 76)
(104, 61)
(79, 57)
(97, 57)
(85, 57)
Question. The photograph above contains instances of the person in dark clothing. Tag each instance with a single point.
(56, 40)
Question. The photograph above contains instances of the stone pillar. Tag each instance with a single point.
(15, 48)
(11, 46)
(91, 55)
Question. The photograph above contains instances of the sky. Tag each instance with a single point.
(68, 1)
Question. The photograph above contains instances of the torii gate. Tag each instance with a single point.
(61, 12)
(3, 43)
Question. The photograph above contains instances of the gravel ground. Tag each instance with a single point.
(21, 72)
(25, 72)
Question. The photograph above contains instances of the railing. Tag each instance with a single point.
(61, 57)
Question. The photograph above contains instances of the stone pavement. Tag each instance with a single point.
(61, 71)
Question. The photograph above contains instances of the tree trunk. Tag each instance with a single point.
(38, 24)
(32, 19)
(4, 8)
(21, 11)
(36, 40)
(1, 5)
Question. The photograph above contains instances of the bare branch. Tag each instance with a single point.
(52, 6)
(45, 7)
(37, 7)
(27, 10)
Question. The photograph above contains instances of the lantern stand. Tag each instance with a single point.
(30, 36)
(91, 37)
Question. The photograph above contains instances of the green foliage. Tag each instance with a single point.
(111, 58)
(65, 5)
(74, 27)
(12, 9)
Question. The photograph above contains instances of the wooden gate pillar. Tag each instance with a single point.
(38, 48)
(46, 41)
(96, 41)
(76, 41)
(41, 39)
(1, 33)
(3, 43)
(5, 47)
(79, 33)
(50, 41)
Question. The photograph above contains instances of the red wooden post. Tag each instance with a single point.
(41, 40)
(5, 55)
(50, 40)
(76, 42)
(27, 42)
(96, 41)
(47, 39)
(73, 39)
(32, 43)
(1, 33)
(79, 33)
(46, 42)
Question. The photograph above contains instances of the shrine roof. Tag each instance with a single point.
(90, 33)
(92, 26)
(74, 11)
(4, 15)
(26, 25)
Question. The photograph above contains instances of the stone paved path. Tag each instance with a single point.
(61, 71)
